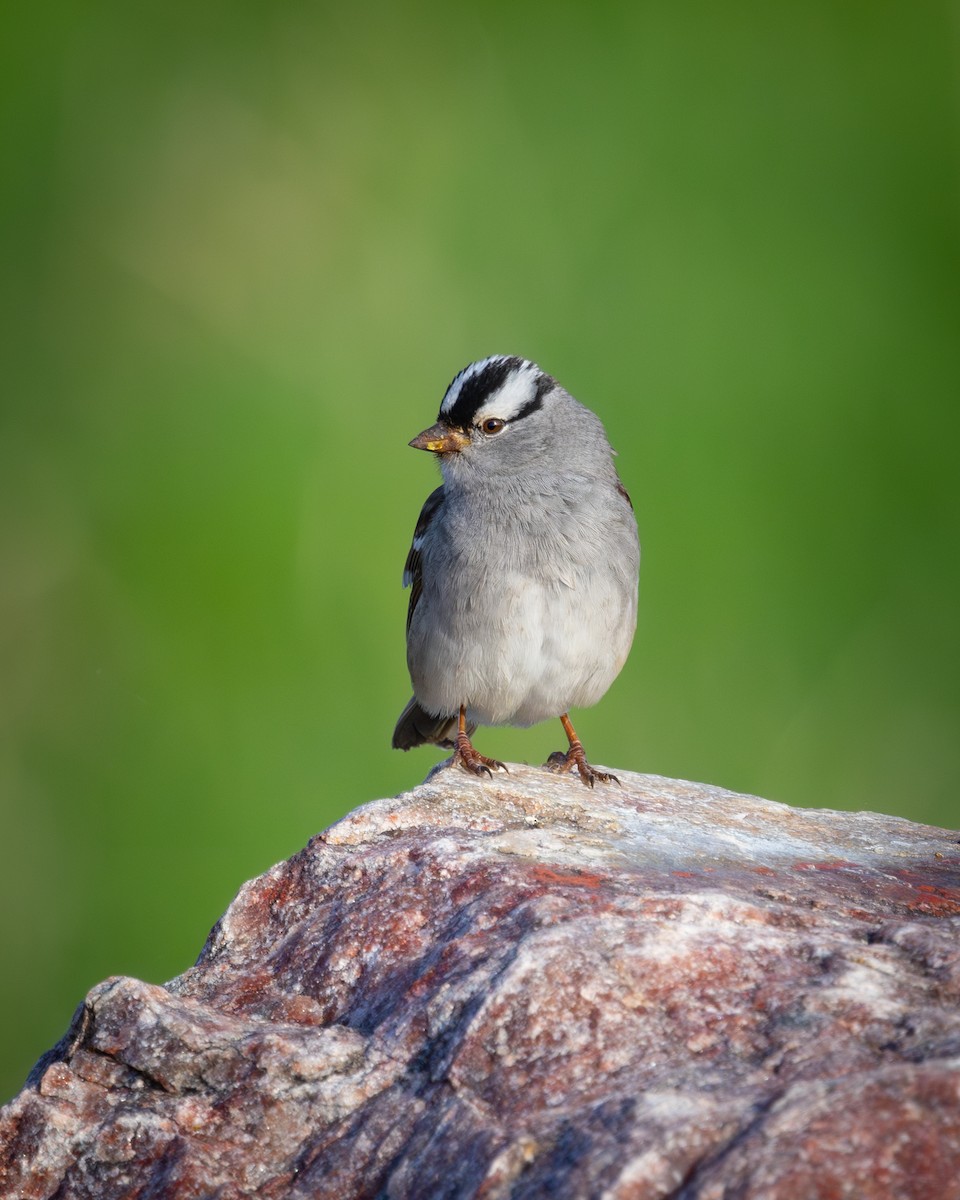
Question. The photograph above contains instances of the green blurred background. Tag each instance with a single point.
(246, 246)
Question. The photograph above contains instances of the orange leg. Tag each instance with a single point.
(466, 756)
(575, 757)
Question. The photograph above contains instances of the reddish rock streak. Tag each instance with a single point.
(515, 988)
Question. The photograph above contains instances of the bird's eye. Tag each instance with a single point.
(492, 425)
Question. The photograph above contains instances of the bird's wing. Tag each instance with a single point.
(413, 570)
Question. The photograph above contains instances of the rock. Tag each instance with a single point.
(520, 988)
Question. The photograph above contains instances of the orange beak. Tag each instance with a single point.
(440, 439)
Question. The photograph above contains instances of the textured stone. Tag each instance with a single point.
(519, 988)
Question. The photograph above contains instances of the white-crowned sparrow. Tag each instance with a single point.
(523, 566)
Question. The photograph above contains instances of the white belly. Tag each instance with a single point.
(544, 648)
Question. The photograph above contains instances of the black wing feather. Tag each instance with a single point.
(413, 570)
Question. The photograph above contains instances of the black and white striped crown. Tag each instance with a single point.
(518, 385)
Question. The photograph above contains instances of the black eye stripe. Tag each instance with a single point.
(531, 406)
(545, 383)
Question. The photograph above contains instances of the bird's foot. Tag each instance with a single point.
(562, 762)
(465, 755)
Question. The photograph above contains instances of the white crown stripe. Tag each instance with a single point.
(512, 384)
(470, 372)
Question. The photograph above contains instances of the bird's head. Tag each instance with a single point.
(504, 415)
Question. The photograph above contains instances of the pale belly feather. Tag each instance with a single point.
(553, 645)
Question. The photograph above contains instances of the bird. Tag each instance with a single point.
(523, 569)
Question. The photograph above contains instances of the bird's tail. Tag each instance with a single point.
(416, 726)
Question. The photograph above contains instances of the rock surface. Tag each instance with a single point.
(521, 988)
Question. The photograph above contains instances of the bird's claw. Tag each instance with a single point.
(561, 762)
(473, 761)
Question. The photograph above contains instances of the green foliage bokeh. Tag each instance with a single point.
(245, 248)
